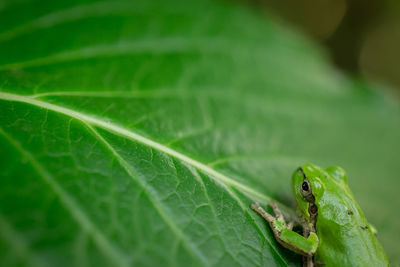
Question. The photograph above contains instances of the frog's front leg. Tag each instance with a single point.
(306, 246)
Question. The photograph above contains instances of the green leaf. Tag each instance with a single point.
(137, 133)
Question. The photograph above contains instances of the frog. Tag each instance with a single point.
(335, 231)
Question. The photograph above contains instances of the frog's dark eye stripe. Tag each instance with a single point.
(312, 209)
(302, 172)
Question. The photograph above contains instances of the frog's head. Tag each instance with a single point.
(308, 187)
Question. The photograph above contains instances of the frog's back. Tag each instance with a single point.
(345, 237)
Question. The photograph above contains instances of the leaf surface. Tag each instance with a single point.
(138, 133)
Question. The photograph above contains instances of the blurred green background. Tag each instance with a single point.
(362, 37)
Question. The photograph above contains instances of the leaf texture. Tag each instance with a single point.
(137, 133)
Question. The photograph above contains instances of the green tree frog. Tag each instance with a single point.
(335, 230)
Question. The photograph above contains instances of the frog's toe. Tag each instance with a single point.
(254, 205)
(277, 211)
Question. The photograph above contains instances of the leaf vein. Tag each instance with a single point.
(145, 187)
(138, 138)
(70, 205)
(20, 246)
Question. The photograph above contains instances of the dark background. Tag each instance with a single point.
(362, 36)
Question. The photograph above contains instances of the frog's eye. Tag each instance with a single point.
(305, 186)
(306, 191)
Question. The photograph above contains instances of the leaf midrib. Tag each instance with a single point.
(226, 181)
(166, 218)
(118, 130)
(192, 249)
